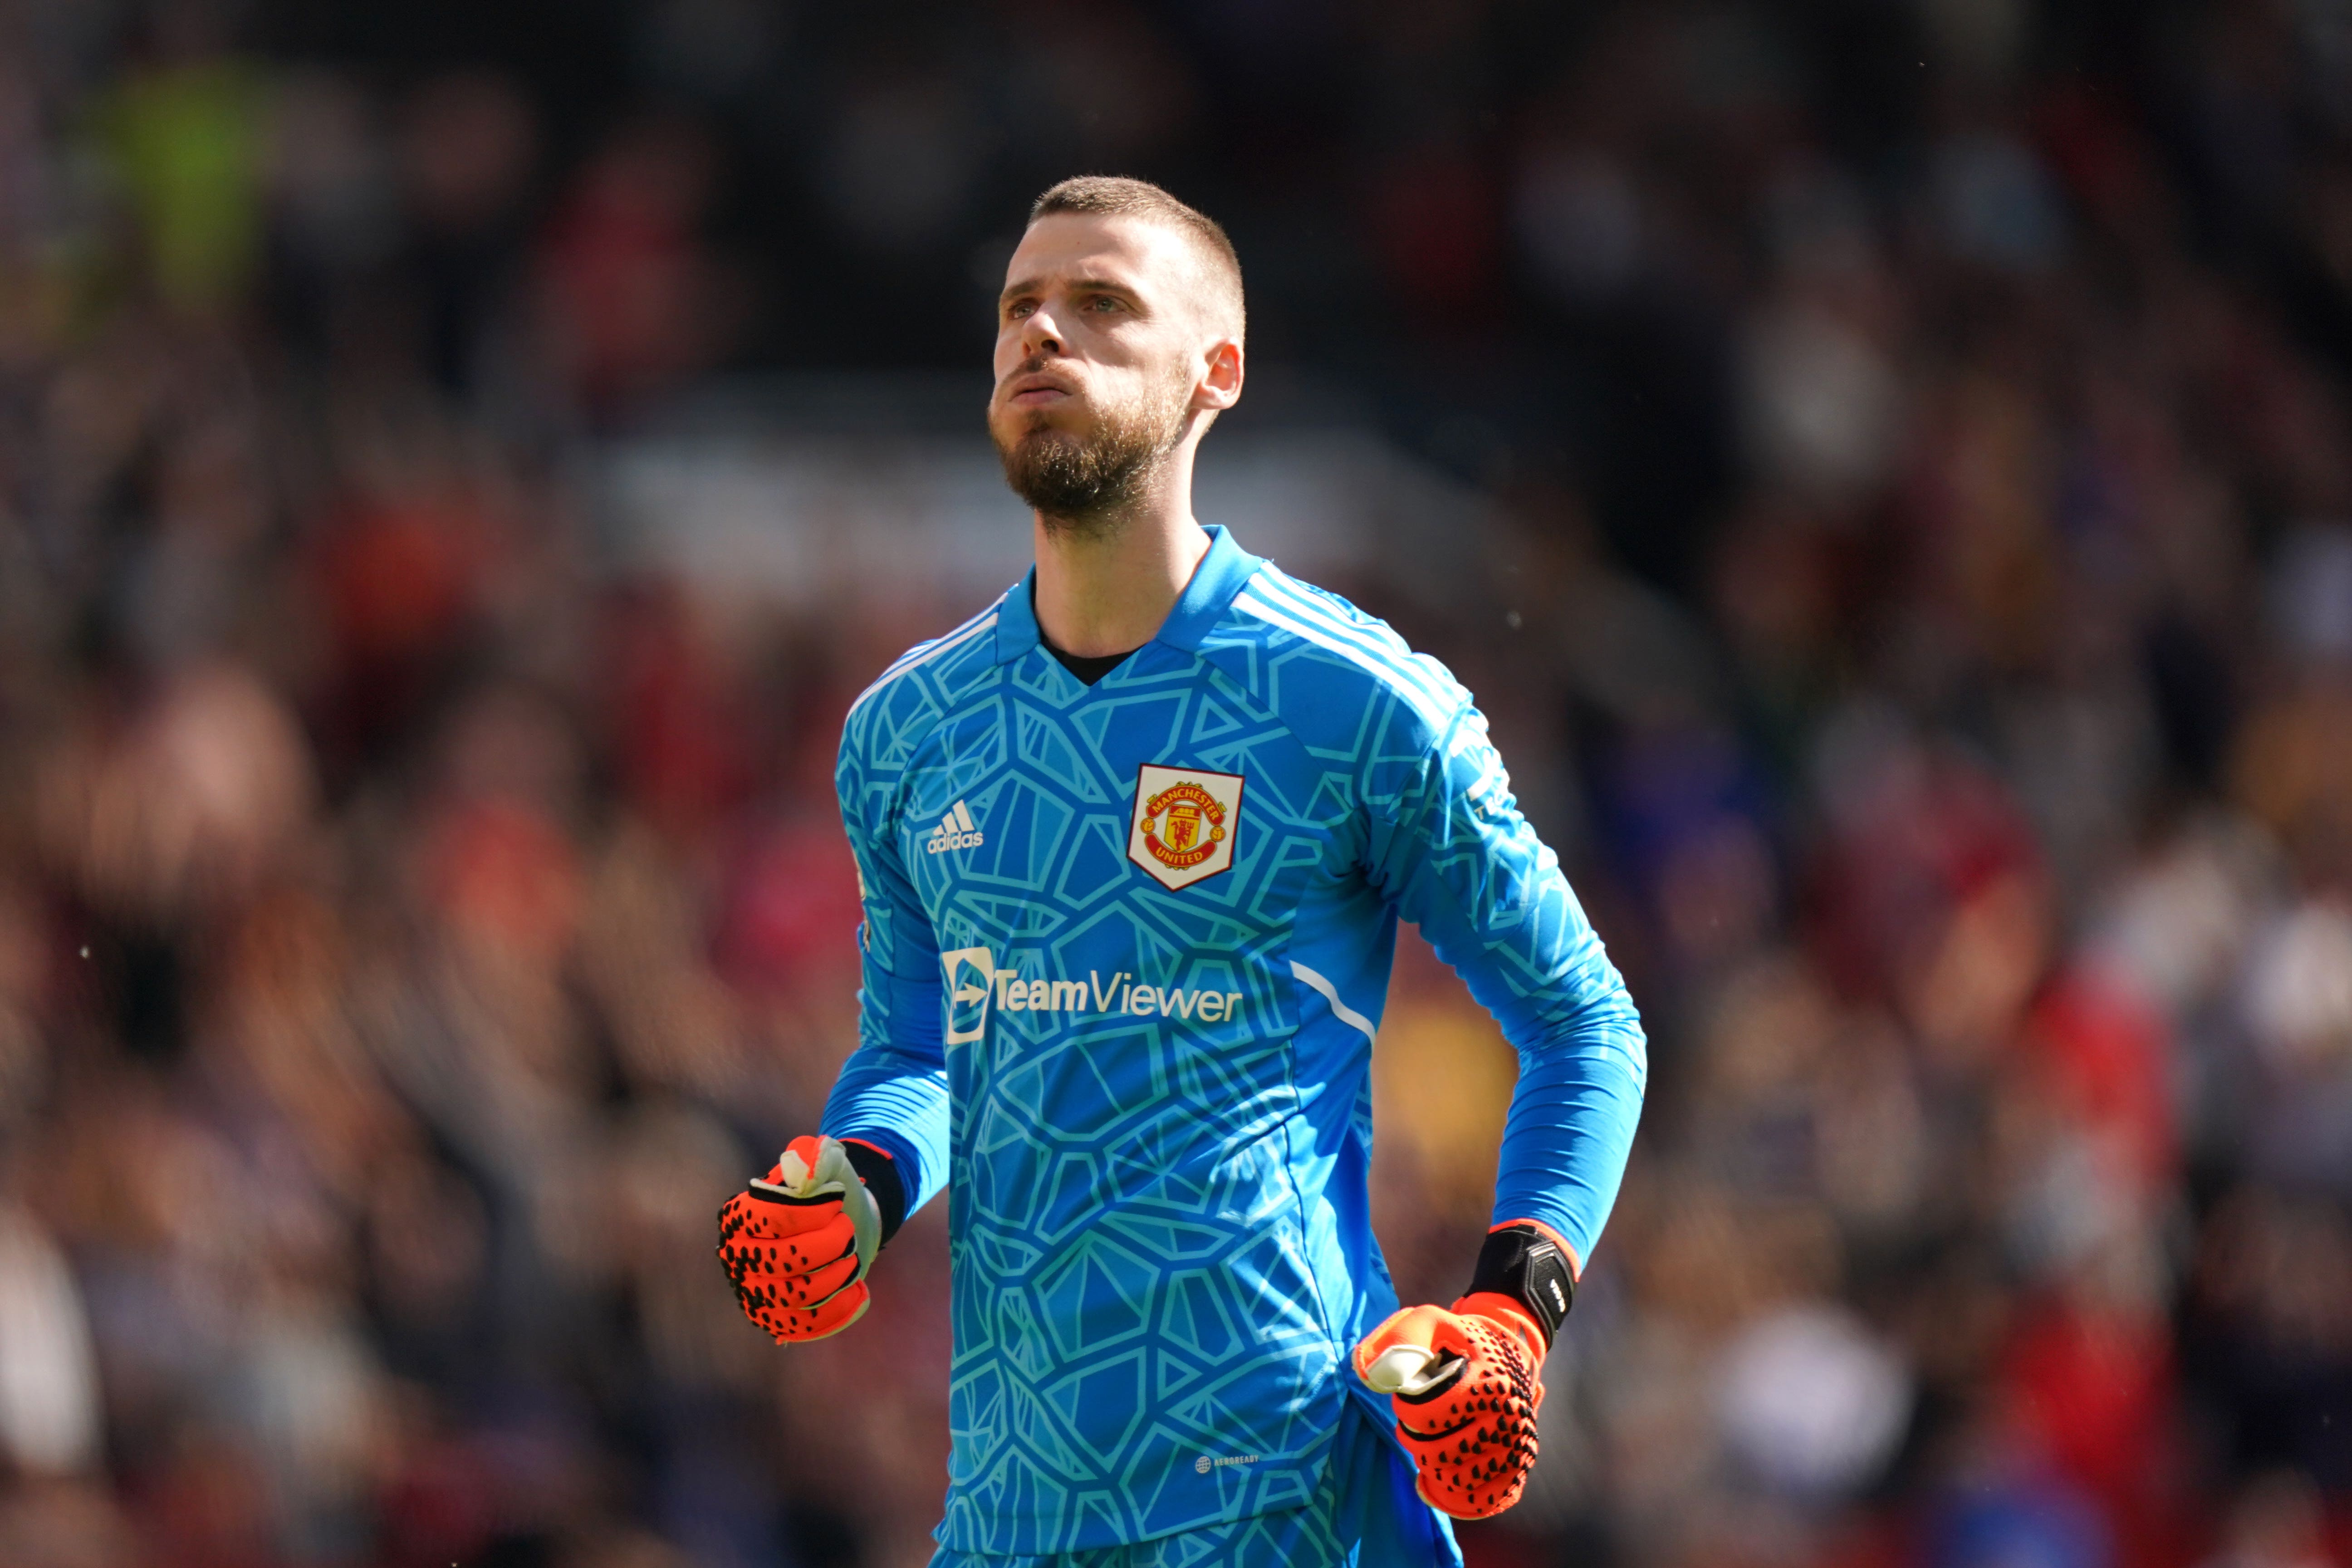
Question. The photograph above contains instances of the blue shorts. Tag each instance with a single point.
(1367, 1516)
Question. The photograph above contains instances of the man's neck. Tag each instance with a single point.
(1109, 591)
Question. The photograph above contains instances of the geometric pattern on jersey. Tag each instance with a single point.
(1288, 1538)
(1365, 1515)
(1150, 1106)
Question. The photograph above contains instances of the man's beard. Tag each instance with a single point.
(1089, 484)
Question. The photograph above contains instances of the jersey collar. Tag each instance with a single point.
(1215, 581)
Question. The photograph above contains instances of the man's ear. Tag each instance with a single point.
(1219, 386)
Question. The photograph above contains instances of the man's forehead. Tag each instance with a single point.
(1114, 248)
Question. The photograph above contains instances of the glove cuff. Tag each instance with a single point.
(879, 1172)
(1529, 1267)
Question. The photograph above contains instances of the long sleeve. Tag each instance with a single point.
(1449, 848)
(893, 1090)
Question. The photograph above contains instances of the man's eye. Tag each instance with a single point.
(1102, 302)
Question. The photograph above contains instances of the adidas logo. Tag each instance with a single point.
(956, 831)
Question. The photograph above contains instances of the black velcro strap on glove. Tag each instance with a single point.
(880, 1174)
(1521, 1261)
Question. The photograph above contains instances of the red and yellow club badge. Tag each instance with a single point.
(1185, 819)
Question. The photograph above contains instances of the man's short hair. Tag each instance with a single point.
(1113, 195)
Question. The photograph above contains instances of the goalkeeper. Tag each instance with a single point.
(1133, 843)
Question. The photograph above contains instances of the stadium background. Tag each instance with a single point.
(1884, 465)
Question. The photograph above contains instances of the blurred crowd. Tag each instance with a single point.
(1918, 607)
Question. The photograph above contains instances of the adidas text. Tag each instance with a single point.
(956, 831)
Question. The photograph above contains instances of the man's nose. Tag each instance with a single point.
(1039, 334)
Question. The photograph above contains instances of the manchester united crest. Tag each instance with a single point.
(1185, 822)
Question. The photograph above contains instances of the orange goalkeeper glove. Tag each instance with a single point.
(1465, 1382)
(796, 1244)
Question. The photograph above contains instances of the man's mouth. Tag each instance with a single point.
(1036, 389)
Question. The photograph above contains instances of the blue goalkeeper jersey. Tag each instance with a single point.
(1125, 951)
